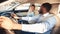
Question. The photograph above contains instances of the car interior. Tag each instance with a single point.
(21, 11)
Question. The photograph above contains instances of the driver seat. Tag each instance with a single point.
(54, 10)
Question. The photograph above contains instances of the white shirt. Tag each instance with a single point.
(40, 27)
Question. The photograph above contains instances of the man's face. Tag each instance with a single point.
(43, 10)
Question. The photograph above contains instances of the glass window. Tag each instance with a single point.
(26, 6)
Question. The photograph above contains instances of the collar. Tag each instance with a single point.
(46, 14)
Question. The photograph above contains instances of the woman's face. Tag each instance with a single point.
(32, 8)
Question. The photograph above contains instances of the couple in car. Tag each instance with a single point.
(44, 22)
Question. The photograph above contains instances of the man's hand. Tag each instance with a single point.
(15, 16)
(6, 23)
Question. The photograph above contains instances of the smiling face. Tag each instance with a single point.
(32, 8)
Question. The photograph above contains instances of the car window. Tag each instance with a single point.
(26, 6)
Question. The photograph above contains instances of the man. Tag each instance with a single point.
(44, 22)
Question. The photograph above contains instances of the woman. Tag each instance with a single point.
(31, 12)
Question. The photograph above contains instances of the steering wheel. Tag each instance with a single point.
(6, 14)
(9, 16)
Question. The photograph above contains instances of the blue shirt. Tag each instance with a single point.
(44, 23)
(30, 14)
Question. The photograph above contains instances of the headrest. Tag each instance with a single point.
(54, 9)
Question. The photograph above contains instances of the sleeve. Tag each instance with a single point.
(30, 18)
(27, 18)
(41, 27)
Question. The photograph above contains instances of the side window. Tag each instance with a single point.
(26, 6)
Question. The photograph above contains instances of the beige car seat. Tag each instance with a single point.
(54, 10)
